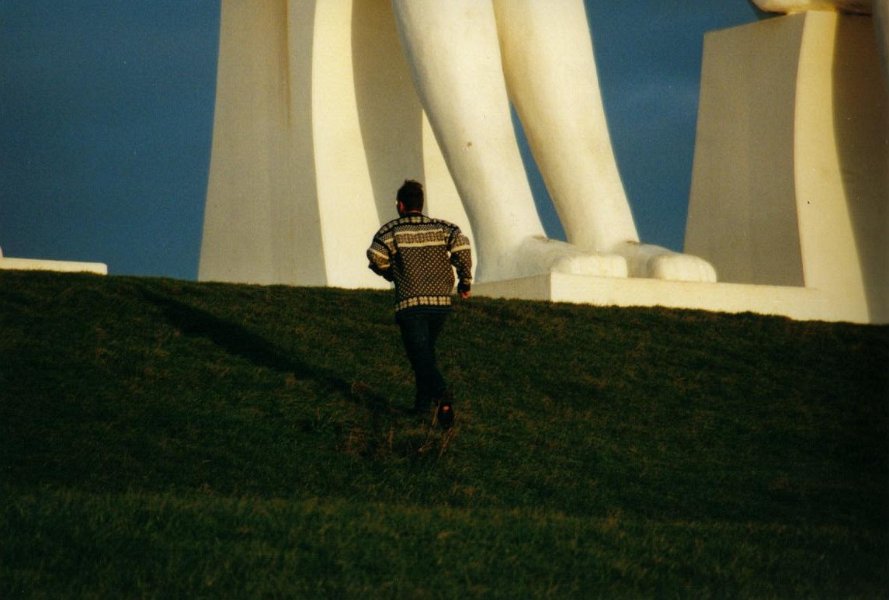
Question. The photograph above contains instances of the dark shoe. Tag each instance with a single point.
(445, 414)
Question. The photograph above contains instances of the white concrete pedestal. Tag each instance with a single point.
(794, 302)
(31, 264)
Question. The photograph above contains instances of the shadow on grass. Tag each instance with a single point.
(372, 437)
(237, 340)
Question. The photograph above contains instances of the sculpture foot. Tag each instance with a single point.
(655, 262)
(540, 255)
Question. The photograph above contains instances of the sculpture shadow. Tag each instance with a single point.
(389, 111)
(861, 109)
(239, 341)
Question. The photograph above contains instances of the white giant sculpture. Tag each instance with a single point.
(468, 59)
(306, 85)
(793, 6)
(324, 107)
(791, 172)
(878, 8)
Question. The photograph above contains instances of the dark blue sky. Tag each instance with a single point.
(106, 110)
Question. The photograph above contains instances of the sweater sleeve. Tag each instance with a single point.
(378, 259)
(461, 258)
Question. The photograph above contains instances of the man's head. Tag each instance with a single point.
(410, 197)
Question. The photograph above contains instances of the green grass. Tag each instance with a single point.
(163, 438)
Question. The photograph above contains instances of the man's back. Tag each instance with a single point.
(419, 254)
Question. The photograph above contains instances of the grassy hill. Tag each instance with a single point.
(163, 438)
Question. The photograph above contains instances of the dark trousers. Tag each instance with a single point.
(419, 331)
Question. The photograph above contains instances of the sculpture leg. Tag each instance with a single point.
(454, 54)
(550, 72)
(551, 77)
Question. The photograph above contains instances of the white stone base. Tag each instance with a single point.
(797, 303)
(30, 264)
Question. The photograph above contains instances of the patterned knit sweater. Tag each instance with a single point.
(419, 255)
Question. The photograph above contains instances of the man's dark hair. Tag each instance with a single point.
(411, 195)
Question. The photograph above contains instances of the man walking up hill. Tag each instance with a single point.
(419, 254)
